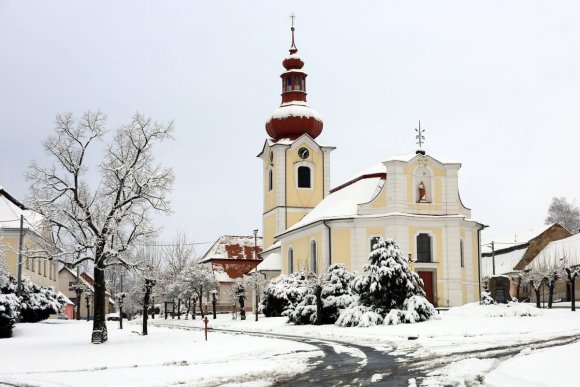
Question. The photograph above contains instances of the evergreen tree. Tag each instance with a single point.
(283, 293)
(335, 295)
(389, 291)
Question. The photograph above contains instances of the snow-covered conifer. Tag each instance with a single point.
(283, 293)
(388, 288)
(335, 296)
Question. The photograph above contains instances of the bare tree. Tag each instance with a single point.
(100, 222)
(565, 213)
(535, 278)
(572, 274)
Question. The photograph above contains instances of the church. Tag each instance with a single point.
(414, 198)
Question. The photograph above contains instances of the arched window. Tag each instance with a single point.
(313, 266)
(423, 248)
(290, 260)
(270, 180)
(296, 83)
(304, 177)
(374, 241)
(461, 253)
(288, 83)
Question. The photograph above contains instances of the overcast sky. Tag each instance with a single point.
(495, 83)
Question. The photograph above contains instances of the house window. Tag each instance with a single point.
(290, 261)
(288, 83)
(270, 180)
(461, 253)
(304, 177)
(313, 266)
(374, 241)
(424, 248)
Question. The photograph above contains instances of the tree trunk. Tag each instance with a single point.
(550, 295)
(201, 302)
(179, 309)
(194, 305)
(242, 310)
(537, 290)
(145, 308)
(120, 317)
(573, 293)
(99, 299)
(188, 304)
(318, 293)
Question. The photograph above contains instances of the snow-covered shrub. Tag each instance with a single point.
(486, 299)
(359, 316)
(388, 288)
(9, 308)
(37, 303)
(283, 293)
(336, 295)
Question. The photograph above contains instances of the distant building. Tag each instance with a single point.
(232, 257)
(68, 280)
(512, 253)
(37, 240)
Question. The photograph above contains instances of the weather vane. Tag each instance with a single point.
(420, 137)
(292, 17)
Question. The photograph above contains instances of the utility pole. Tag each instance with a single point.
(493, 256)
(19, 285)
(78, 292)
(256, 276)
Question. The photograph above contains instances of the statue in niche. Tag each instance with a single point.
(422, 193)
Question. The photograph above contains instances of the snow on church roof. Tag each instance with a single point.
(295, 110)
(342, 203)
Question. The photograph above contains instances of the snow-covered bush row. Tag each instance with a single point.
(388, 293)
(35, 304)
(283, 293)
(335, 296)
(9, 308)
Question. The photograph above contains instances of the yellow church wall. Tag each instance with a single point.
(301, 249)
(381, 200)
(437, 170)
(437, 196)
(294, 217)
(475, 263)
(269, 195)
(341, 246)
(269, 224)
(304, 197)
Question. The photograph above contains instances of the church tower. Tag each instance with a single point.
(296, 168)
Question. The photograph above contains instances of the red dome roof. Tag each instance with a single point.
(294, 117)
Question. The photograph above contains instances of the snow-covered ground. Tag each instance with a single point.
(456, 348)
(59, 353)
(460, 339)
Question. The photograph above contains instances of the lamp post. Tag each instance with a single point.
(88, 301)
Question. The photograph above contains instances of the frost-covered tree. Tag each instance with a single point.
(329, 293)
(565, 213)
(100, 217)
(9, 303)
(389, 291)
(517, 279)
(535, 277)
(283, 293)
(200, 279)
(237, 294)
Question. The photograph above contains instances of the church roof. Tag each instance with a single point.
(343, 202)
(233, 247)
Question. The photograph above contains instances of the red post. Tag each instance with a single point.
(205, 320)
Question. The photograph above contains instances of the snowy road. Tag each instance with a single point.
(342, 364)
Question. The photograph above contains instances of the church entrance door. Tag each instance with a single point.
(427, 277)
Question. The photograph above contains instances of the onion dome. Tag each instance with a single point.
(294, 117)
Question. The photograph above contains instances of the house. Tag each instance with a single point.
(555, 254)
(511, 254)
(413, 199)
(68, 281)
(37, 240)
(232, 257)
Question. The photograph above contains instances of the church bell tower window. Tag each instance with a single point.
(304, 177)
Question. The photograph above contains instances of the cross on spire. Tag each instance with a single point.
(293, 49)
(420, 136)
